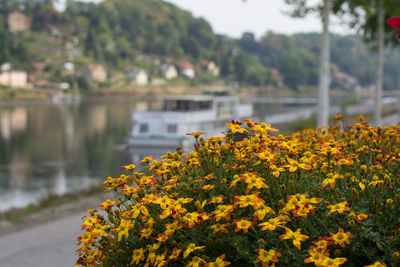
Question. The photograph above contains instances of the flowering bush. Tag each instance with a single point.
(317, 197)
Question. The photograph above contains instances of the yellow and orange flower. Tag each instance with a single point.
(243, 224)
(296, 236)
(341, 238)
(266, 257)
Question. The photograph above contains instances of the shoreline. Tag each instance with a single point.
(16, 220)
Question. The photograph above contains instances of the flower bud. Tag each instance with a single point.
(389, 202)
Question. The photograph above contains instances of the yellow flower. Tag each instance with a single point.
(217, 200)
(219, 262)
(190, 248)
(263, 128)
(341, 237)
(253, 180)
(296, 236)
(160, 260)
(243, 224)
(129, 167)
(195, 134)
(339, 207)
(137, 255)
(196, 261)
(331, 180)
(272, 224)
(267, 256)
(294, 165)
(377, 264)
(223, 211)
(123, 229)
(328, 262)
(317, 255)
(220, 228)
(249, 200)
(261, 211)
(175, 254)
(235, 128)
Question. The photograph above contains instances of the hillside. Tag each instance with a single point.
(119, 38)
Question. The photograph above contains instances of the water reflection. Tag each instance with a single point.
(53, 149)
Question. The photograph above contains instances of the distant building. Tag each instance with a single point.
(95, 73)
(14, 78)
(169, 71)
(343, 80)
(5, 67)
(187, 70)
(210, 67)
(138, 76)
(18, 22)
(277, 77)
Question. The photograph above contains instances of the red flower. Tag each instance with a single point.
(394, 22)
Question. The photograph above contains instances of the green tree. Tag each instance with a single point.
(4, 44)
(372, 24)
(294, 72)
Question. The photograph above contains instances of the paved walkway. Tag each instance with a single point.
(48, 245)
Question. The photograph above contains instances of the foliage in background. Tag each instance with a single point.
(121, 32)
(317, 197)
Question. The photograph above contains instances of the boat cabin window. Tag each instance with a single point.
(143, 128)
(172, 128)
(187, 105)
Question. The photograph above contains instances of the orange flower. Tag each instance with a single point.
(195, 134)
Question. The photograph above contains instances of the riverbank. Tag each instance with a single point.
(51, 209)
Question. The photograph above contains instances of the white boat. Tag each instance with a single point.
(184, 114)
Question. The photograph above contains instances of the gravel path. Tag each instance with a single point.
(47, 238)
(51, 244)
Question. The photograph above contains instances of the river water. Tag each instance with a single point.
(50, 148)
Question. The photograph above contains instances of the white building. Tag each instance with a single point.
(169, 71)
(187, 70)
(139, 76)
(14, 79)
